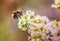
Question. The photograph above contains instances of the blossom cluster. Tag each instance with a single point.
(48, 32)
(39, 28)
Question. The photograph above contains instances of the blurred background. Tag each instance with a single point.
(8, 25)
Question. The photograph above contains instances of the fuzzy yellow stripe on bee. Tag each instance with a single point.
(12, 15)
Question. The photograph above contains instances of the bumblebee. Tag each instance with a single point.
(17, 13)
